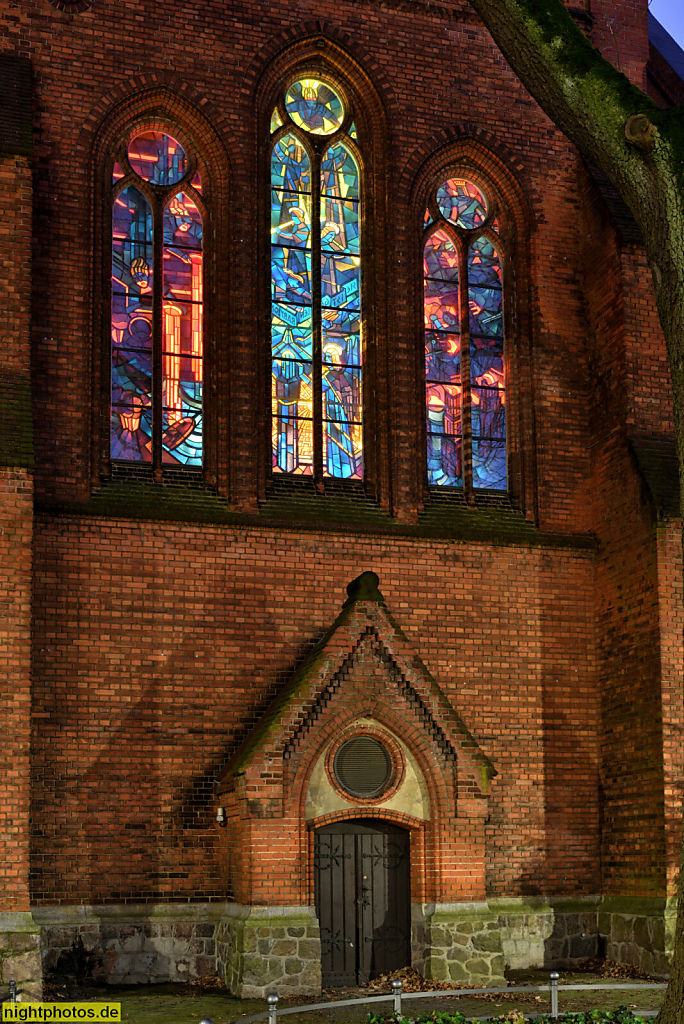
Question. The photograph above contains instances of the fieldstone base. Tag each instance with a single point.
(263, 950)
(132, 944)
(20, 957)
(639, 931)
(555, 932)
(458, 942)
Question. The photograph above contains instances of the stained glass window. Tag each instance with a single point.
(464, 354)
(157, 344)
(316, 337)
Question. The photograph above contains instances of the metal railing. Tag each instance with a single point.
(397, 995)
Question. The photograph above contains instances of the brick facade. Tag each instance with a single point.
(151, 624)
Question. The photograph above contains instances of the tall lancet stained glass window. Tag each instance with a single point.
(157, 343)
(316, 336)
(464, 354)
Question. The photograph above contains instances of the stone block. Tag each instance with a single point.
(490, 942)
(437, 969)
(284, 947)
(439, 937)
(313, 931)
(132, 939)
(295, 933)
(62, 938)
(497, 966)
(477, 969)
(22, 941)
(458, 973)
(264, 946)
(459, 955)
(249, 942)
(656, 931)
(621, 928)
(210, 947)
(560, 927)
(195, 947)
(205, 965)
(4, 941)
(278, 933)
(31, 992)
(109, 934)
(309, 949)
(641, 932)
(183, 930)
(293, 965)
(466, 927)
(205, 930)
(25, 967)
(647, 961)
(580, 948)
(310, 979)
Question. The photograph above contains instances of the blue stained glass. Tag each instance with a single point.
(314, 106)
(291, 331)
(488, 413)
(341, 394)
(442, 358)
(276, 121)
(444, 459)
(157, 158)
(131, 328)
(489, 464)
(342, 445)
(290, 166)
(339, 173)
(290, 219)
(462, 203)
(182, 223)
(340, 281)
(484, 264)
(341, 337)
(440, 259)
(292, 403)
(291, 275)
(340, 225)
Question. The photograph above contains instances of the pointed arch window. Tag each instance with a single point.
(157, 344)
(316, 324)
(464, 339)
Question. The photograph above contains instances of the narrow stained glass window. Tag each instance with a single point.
(157, 342)
(316, 335)
(464, 354)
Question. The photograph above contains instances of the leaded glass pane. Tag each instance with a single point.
(340, 279)
(339, 173)
(292, 403)
(290, 167)
(182, 337)
(489, 464)
(462, 203)
(131, 328)
(484, 289)
(157, 158)
(314, 106)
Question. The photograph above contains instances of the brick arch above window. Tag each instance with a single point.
(180, 413)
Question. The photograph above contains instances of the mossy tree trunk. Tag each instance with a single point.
(641, 150)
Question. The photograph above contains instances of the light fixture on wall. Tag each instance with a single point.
(221, 816)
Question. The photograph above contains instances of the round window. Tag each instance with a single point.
(362, 767)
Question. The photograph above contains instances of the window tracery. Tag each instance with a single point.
(464, 339)
(157, 344)
(316, 327)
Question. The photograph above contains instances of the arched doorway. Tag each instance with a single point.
(362, 895)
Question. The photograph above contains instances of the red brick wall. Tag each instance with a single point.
(671, 629)
(626, 575)
(157, 645)
(16, 512)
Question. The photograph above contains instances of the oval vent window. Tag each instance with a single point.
(362, 766)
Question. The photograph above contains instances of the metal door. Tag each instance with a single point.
(361, 884)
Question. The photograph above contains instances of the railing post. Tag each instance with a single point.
(553, 989)
(272, 1002)
(13, 991)
(396, 992)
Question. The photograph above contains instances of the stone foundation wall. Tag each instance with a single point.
(269, 949)
(20, 957)
(639, 931)
(458, 942)
(129, 944)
